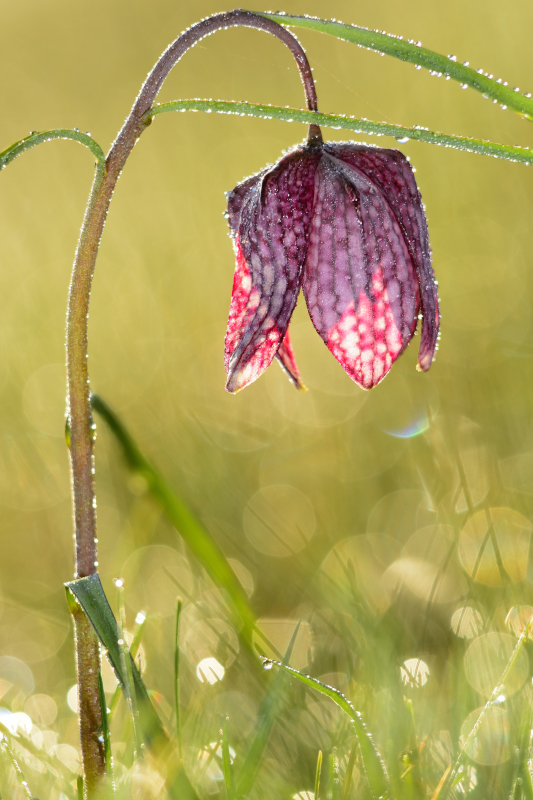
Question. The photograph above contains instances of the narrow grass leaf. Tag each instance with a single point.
(177, 677)
(318, 773)
(134, 649)
(15, 765)
(79, 786)
(47, 760)
(126, 662)
(349, 771)
(374, 766)
(105, 730)
(521, 155)
(413, 53)
(35, 138)
(226, 759)
(270, 708)
(192, 531)
(453, 773)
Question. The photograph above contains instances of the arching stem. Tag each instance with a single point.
(81, 438)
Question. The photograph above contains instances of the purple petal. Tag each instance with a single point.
(287, 362)
(359, 282)
(270, 219)
(391, 172)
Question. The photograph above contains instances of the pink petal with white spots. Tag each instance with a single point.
(359, 282)
(269, 217)
(390, 171)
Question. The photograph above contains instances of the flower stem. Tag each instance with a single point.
(80, 423)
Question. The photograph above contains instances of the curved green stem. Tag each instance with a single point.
(10, 153)
(414, 53)
(81, 440)
(480, 146)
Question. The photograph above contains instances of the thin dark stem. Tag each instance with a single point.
(81, 439)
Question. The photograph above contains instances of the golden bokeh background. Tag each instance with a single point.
(308, 494)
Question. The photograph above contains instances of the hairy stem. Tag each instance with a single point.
(81, 439)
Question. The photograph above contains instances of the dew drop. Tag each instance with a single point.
(268, 663)
(402, 139)
(466, 63)
(464, 86)
(417, 66)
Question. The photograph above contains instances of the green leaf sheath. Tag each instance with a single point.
(480, 146)
(414, 54)
(90, 594)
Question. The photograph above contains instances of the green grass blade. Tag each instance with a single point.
(90, 594)
(46, 759)
(318, 773)
(125, 663)
(105, 730)
(267, 714)
(13, 151)
(134, 649)
(177, 677)
(195, 535)
(15, 765)
(226, 760)
(374, 766)
(414, 54)
(443, 790)
(480, 146)
(79, 786)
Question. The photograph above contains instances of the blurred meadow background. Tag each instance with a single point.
(394, 525)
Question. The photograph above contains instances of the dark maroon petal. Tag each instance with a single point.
(392, 173)
(236, 199)
(287, 362)
(359, 282)
(271, 245)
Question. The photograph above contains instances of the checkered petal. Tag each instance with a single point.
(269, 217)
(360, 281)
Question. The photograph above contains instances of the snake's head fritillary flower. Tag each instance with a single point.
(346, 223)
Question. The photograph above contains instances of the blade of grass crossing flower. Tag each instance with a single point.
(318, 773)
(177, 677)
(374, 766)
(415, 54)
(90, 594)
(270, 708)
(480, 146)
(226, 759)
(195, 535)
(105, 730)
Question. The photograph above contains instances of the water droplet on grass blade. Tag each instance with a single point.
(268, 663)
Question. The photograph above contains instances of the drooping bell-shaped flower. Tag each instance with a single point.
(345, 222)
